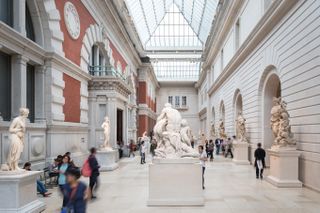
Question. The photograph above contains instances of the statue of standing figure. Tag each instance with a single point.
(106, 130)
(17, 131)
(280, 124)
(241, 128)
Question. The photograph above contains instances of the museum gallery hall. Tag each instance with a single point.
(162, 106)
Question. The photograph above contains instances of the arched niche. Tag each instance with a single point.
(237, 107)
(270, 87)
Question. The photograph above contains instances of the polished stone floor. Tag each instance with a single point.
(229, 188)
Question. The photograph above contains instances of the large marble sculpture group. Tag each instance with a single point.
(222, 130)
(241, 128)
(173, 135)
(283, 137)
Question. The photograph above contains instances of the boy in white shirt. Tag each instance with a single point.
(203, 159)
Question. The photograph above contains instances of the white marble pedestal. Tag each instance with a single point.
(175, 182)
(284, 168)
(107, 159)
(19, 192)
(240, 155)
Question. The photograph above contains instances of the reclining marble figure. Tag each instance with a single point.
(173, 135)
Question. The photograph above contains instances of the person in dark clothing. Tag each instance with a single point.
(259, 162)
(210, 149)
(94, 165)
(229, 147)
(75, 192)
(218, 144)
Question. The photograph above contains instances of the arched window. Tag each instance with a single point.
(99, 63)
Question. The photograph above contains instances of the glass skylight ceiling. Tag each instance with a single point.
(176, 27)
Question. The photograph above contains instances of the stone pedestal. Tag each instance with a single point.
(240, 155)
(19, 192)
(175, 182)
(284, 168)
(107, 159)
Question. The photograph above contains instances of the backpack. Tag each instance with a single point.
(86, 169)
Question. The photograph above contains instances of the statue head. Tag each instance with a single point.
(168, 105)
(184, 122)
(106, 119)
(276, 101)
(24, 112)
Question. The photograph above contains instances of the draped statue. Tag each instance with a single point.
(280, 124)
(241, 128)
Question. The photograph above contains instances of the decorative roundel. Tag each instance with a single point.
(72, 20)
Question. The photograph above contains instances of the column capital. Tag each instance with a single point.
(23, 59)
(40, 69)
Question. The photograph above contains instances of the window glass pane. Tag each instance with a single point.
(6, 12)
(31, 91)
(5, 86)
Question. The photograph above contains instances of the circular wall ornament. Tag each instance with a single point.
(72, 20)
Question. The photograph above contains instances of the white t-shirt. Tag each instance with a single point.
(143, 148)
(203, 155)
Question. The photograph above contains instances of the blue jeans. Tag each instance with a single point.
(40, 187)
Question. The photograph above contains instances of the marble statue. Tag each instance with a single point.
(17, 131)
(222, 131)
(173, 135)
(280, 124)
(212, 131)
(106, 130)
(185, 132)
(241, 128)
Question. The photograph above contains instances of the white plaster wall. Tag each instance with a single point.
(293, 47)
(192, 98)
(250, 16)
(229, 49)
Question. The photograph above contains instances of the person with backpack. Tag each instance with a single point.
(75, 193)
(94, 166)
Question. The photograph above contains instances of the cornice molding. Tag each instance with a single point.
(272, 17)
(108, 83)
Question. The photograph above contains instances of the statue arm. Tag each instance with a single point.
(12, 128)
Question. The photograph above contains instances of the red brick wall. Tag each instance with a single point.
(143, 124)
(71, 93)
(142, 92)
(117, 57)
(72, 48)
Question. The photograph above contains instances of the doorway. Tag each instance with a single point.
(119, 125)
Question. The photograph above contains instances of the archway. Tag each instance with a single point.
(238, 107)
(271, 87)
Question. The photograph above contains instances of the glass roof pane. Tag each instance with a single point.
(170, 26)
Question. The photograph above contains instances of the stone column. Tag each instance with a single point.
(112, 114)
(18, 84)
(125, 124)
(40, 116)
(19, 18)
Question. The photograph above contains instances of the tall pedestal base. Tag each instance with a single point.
(241, 153)
(284, 168)
(19, 192)
(175, 182)
(107, 159)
